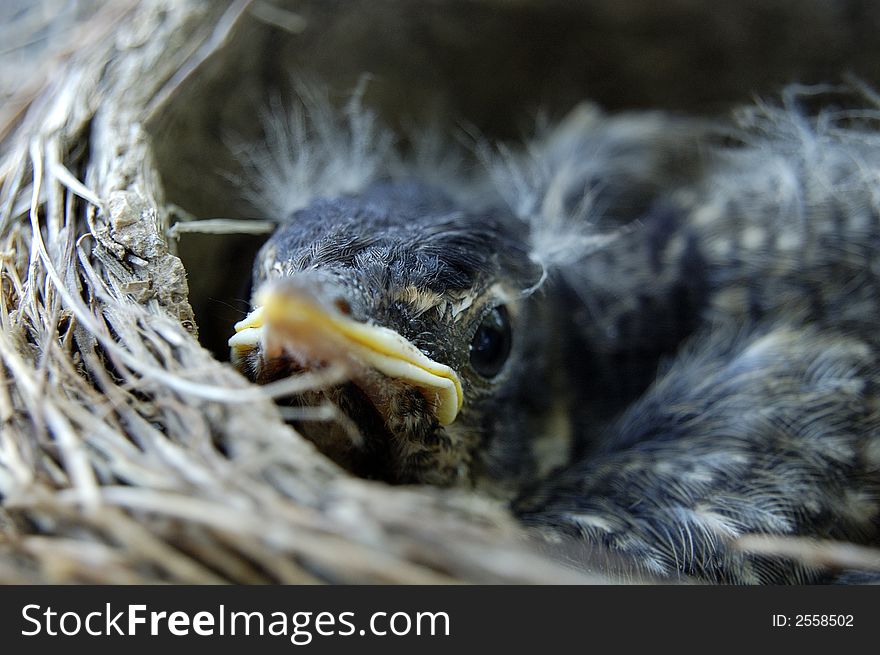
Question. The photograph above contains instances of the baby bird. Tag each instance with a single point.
(650, 334)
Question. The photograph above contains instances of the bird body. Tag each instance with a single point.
(652, 340)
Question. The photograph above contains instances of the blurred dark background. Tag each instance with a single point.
(494, 64)
(490, 64)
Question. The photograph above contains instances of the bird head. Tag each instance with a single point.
(429, 309)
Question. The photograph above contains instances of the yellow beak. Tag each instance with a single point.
(286, 319)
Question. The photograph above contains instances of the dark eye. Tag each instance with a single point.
(490, 346)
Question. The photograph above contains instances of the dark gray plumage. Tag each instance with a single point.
(693, 348)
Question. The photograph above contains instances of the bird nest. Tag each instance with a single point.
(130, 450)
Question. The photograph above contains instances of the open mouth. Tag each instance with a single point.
(289, 319)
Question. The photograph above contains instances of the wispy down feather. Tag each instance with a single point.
(579, 183)
(582, 183)
(311, 149)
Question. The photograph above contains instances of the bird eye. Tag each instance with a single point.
(490, 346)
